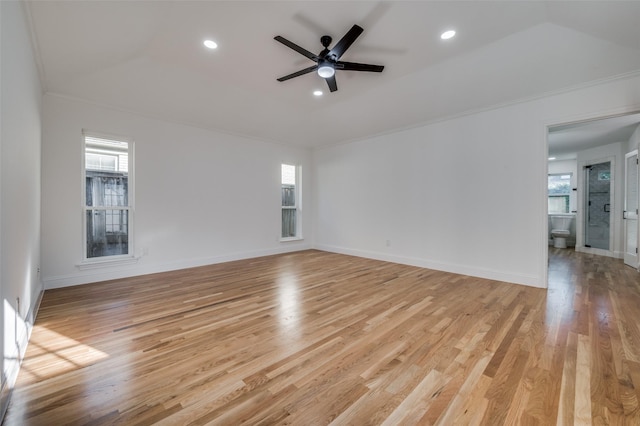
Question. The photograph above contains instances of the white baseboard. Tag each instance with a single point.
(109, 272)
(528, 280)
(601, 252)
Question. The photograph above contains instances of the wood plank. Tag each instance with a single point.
(583, 407)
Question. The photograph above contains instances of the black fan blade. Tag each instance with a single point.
(344, 43)
(297, 48)
(299, 73)
(354, 66)
(331, 81)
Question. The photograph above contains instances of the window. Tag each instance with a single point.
(559, 193)
(290, 202)
(107, 197)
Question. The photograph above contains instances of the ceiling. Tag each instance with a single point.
(147, 57)
(566, 140)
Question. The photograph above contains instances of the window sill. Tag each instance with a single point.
(104, 263)
(285, 240)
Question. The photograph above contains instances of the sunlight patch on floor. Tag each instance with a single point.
(52, 354)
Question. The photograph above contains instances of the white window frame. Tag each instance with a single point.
(297, 206)
(89, 262)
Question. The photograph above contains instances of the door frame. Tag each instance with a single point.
(630, 260)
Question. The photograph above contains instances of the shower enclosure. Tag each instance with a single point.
(598, 205)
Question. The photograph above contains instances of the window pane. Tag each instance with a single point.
(105, 154)
(288, 223)
(101, 162)
(106, 171)
(290, 200)
(107, 232)
(288, 195)
(288, 185)
(288, 174)
(559, 204)
(560, 184)
(106, 189)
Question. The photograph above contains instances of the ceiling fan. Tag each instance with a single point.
(327, 61)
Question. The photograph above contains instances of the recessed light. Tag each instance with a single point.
(447, 35)
(210, 44)
(552, 158)
(317, 93)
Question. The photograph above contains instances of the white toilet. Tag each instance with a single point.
(560, 226)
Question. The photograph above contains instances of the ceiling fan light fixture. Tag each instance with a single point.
(328, 60)
(447, 35)
(326, 71)
(210, 44)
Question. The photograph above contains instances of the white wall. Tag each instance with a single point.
(20, 133)
(465, 195)
(201, 197)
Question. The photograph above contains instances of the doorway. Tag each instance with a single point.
(597, 221)
(574, 145)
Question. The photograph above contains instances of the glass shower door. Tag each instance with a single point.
(598, 205)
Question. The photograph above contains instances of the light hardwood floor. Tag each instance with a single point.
(312, 338)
